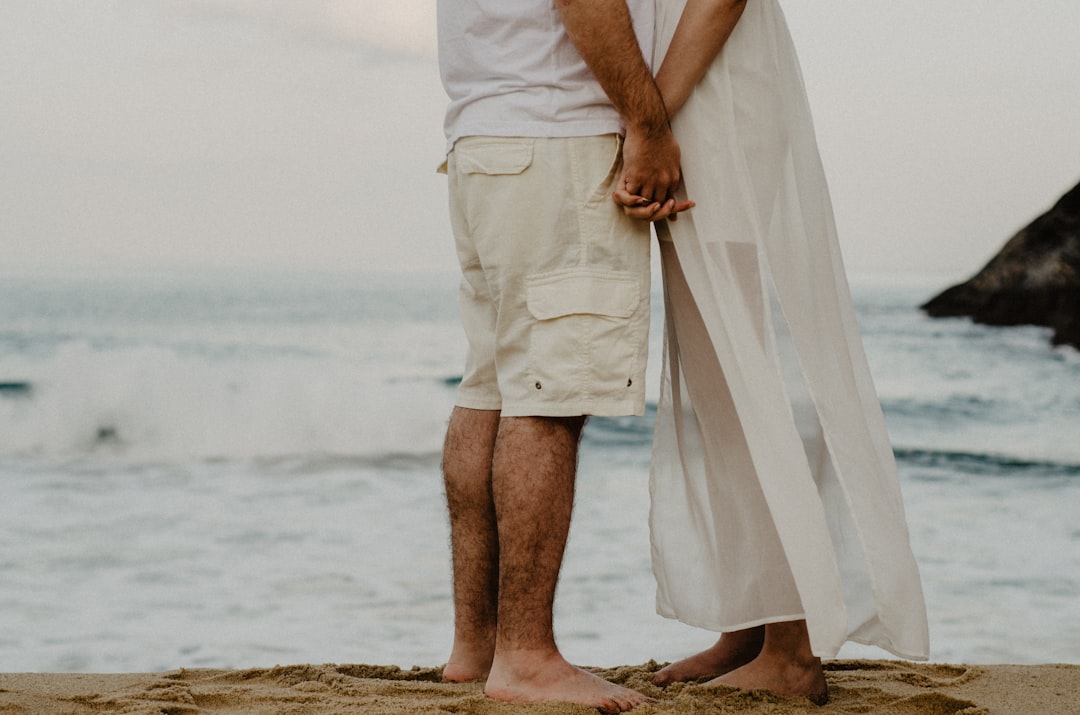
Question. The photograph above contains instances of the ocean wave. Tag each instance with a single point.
(155, 404)
(983, 463)
(948, 408)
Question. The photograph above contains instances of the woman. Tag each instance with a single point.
(776, 515)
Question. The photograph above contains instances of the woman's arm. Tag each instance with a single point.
(703, 29)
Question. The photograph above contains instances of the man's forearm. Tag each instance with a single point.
(603, 34)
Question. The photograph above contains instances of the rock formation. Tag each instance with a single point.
(1033, 280)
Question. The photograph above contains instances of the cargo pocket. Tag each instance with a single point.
(493, 157)
(584, 344)
(488, 182)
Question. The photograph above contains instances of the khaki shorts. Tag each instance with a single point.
(555, 278)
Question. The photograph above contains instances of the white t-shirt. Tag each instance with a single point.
(511, 70)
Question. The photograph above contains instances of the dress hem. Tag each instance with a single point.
(921, 657)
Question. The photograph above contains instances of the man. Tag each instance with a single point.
(554, 300)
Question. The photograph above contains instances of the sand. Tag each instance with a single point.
(856, 686)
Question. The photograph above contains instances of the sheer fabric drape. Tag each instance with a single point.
(774, 488)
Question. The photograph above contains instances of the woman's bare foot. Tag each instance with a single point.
(783, 677)
(543, 676)
(786, 666)
(731, 651)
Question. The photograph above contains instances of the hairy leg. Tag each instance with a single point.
(533, 484)
(467, 456)
(786, 665)
(731, 651)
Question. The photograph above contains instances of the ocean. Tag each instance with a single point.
(232, 469)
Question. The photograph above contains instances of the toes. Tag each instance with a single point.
(631, 699)
(610, 706)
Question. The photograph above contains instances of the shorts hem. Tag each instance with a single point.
(623, 408)
(478, 404)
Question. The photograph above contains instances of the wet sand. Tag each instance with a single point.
(856, 686)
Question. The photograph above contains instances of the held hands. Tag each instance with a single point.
(651, 174)
(645, 209)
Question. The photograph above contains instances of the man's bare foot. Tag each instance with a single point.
(783, 676)
(545, 676)
(731, 651)
(463, 673)
(467, 664)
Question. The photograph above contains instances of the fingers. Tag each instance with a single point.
(634, 196)
(640, 208)
(631, 181)
(667, 209)
(670, 210)
(653, 211)
(659, 186)
(636, 206)
(629, 199)
(656, 188)
(642, 213)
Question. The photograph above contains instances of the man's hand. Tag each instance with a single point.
(603, 34)
(650, 177)
(651, 163)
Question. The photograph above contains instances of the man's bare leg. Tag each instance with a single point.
(731, 651)
(533, 483)
(467, 455)
(786, 665)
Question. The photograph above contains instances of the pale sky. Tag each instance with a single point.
(307, 132)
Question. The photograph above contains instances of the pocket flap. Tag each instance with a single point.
(553, 295)
(494, 158)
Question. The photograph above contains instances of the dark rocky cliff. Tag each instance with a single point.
(1033, 280)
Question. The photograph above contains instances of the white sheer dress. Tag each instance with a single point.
(774, 489)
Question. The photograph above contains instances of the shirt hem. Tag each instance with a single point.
(546, 130)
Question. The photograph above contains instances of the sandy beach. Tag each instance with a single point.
(856, 686)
